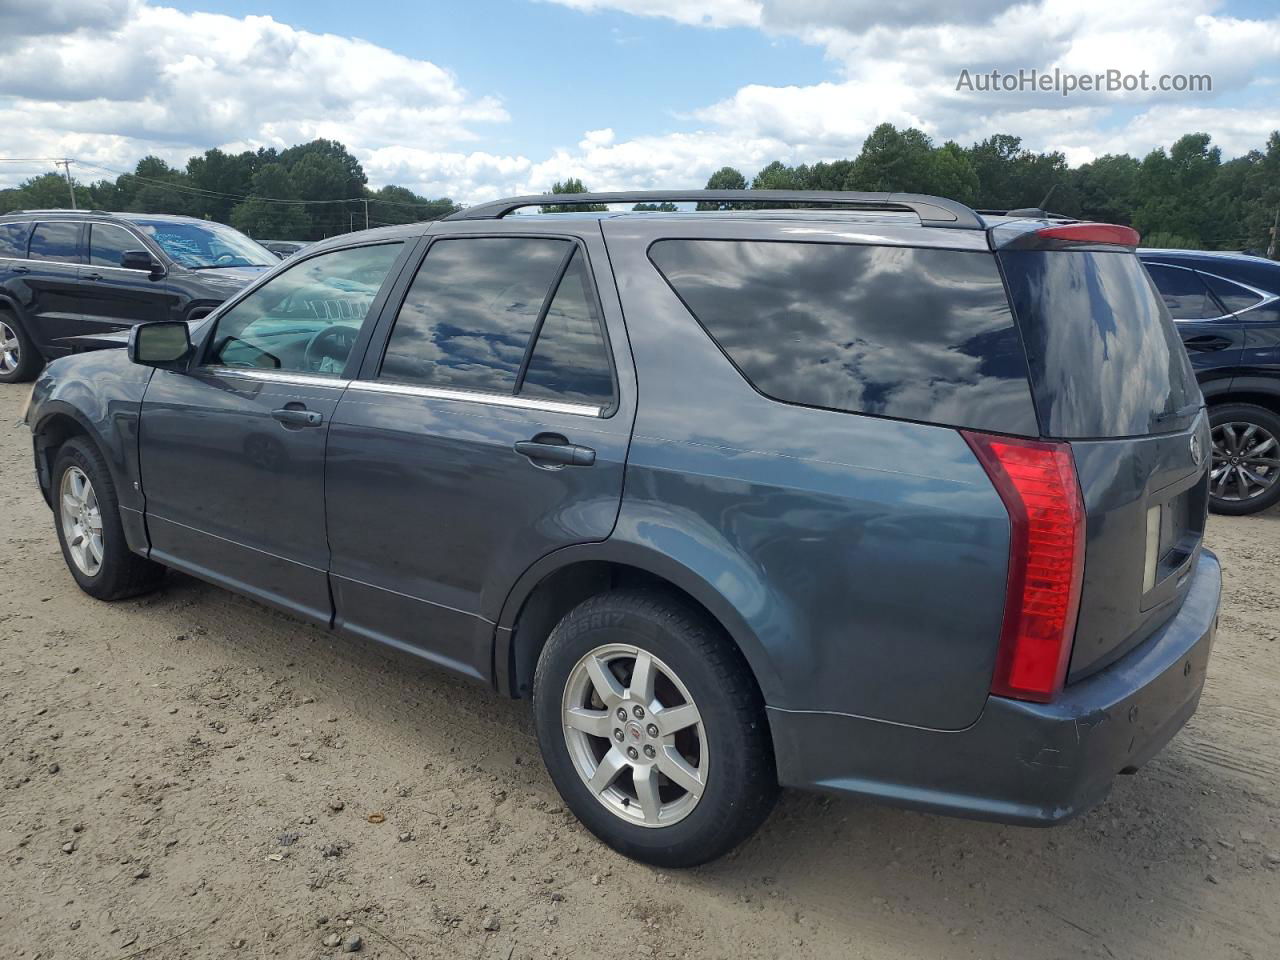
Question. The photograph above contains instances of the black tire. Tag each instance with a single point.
(122, 572)
(741, 782)
(1264, 420)
(30, 362)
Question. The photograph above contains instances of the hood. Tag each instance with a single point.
(231, 276)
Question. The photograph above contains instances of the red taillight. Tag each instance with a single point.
(1110, 233)
(1037, 482)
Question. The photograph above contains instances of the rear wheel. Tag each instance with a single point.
(19, 359)
(653, 729)
(87, 516)
(1245, 476)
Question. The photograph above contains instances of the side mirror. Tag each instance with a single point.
(165, 344)
(139, 260)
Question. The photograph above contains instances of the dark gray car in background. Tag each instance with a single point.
(869, 494)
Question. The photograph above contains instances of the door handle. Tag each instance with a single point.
(93, 276)
(294, 417)
(551, 448)
(21, 269)
(1207, 342)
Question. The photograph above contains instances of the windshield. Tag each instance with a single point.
(202, 246)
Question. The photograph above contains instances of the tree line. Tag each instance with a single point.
(1184, 196)
(327, 185)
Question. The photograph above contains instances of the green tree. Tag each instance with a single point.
(894, 160)
(1106, 189)
(571, 185)
(263, 219)
(726, 178)
(1174, 189)
(663, 207)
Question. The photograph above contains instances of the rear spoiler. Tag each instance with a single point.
(1049, 235)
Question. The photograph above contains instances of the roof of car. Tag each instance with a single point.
(1170, 253)
(68, 214)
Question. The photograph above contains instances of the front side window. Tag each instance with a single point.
(55, 241)
(206, 246)
(307, 318)
(108, 243)
(476, 305)
(1183, 292)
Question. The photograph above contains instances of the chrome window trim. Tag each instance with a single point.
(272, 376)
(475, 396)
(67, 263)
(1267, 298)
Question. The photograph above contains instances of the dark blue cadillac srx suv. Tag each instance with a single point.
(865, 493)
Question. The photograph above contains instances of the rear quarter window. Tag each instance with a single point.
(13, 240)
(911, 333)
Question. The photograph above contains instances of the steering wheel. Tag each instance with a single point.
(333, 344)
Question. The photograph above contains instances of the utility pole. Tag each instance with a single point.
(66, 168)
(1275, 235)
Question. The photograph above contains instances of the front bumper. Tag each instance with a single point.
(1027, 763)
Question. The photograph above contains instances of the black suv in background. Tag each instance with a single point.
(1227, 308)
(67, 274)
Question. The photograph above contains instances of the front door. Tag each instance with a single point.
(232, 451)
(492, 430)
(112, 298)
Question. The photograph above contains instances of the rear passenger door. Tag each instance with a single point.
(1213, 336)
(489, 427)
(54, 254)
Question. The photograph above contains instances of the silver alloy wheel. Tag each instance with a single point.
(635, 736)
(10, 349)
(1246, 461)
(81, 521)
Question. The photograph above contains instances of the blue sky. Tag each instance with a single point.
(479, 99)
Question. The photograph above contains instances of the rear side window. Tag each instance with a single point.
(1105, 360)
(56, 241)
(502, 315)
(569, 360)
(918, 334)
(1233, 296)
(108, 243)
(13, 240)
(1183, 292)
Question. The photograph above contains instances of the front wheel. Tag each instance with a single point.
(1245, 475)
(87, 515)
(653, 729)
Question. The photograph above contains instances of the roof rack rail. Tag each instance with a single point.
(932, 211)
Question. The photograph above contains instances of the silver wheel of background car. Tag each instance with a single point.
(1246, 461)
(10, 349)
(81, 521)
(635, 735)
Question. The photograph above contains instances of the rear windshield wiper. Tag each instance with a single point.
(1178, 414)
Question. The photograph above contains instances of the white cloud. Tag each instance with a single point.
(175, 83)
(705, 13)
(109, 80)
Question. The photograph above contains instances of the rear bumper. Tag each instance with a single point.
(1027, 763)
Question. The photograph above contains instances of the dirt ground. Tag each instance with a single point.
(192, 775)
